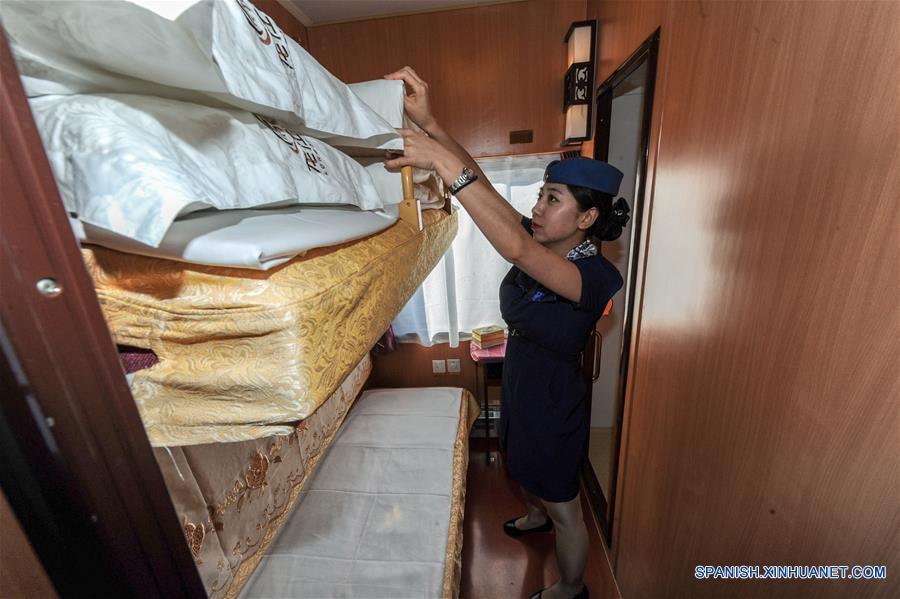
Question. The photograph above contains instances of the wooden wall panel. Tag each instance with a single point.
(762, 403)
(410, 366)
(491, 69)
(288, 23)
(621, 28)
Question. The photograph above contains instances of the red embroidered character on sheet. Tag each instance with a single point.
(267, 31)
(297, 144)
(313, 160)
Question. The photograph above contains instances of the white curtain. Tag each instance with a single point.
(462, 292)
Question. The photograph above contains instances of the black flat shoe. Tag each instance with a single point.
(581, 595)
(510, 528)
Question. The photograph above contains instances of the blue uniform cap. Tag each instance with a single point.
(585, 172)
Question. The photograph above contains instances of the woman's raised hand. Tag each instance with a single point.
(421, 151)
(416, 99)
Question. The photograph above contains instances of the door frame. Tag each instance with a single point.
(648, 51)
(75, 461)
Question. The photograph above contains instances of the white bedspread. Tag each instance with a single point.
(374, 518)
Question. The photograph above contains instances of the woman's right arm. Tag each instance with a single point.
(494, 216)
(436, 132)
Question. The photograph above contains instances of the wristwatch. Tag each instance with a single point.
(467, 176)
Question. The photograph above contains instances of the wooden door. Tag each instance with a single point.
(77, 467)
(763, 410)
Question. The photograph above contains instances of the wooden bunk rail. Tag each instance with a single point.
(409, 209)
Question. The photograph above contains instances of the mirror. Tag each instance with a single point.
(624, 112)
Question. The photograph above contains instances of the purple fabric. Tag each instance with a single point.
(136, 358)
(386, 344)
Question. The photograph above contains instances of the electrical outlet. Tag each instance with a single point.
(452, 365)
(438, 366)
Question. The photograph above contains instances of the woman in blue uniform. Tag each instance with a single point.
(551, 299)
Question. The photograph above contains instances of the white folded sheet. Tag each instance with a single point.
(385, 97)
(257, 239)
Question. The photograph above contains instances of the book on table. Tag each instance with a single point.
(490, 333)
(489, 336)
(487, 344)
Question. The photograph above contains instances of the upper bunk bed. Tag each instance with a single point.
(256, 362)
(245, 354)
(141, 145)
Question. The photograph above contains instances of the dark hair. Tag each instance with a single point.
(613, 215)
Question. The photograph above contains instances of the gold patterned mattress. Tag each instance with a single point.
(246, 354)
(231, 497)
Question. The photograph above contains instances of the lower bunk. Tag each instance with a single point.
(365, 501)
(382, 514)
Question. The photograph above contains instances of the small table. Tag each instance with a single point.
(484, 379)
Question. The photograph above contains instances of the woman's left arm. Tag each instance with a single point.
(500, 222)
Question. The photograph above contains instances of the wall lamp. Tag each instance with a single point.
(579, 83)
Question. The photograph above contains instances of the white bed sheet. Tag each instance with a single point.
(258, 239)
(374, 518)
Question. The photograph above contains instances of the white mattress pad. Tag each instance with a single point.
(374, 517)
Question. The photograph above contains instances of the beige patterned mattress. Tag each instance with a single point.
(246, 354)
(231, 497)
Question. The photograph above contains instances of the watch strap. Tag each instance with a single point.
(468, 176)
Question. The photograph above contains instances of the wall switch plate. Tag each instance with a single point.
(453, 365)
(438, 366)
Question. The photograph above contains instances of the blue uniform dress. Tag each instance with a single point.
(544, 417)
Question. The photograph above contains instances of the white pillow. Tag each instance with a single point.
(385, 97)
(215, 52)
(388, 183)
(131, 164)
